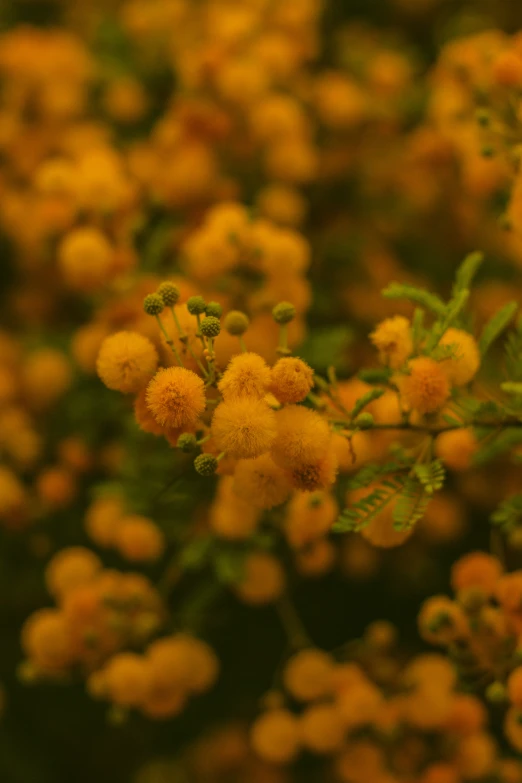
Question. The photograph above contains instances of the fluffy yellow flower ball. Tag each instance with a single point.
(291, 380)
(463, 366)
(303, 437)
(393, 339)
(247, 375)
(275, 736)
(244, 428)
(86, 259)
(426, 387)
(176, 397)
(261, 482)
(263, 580)
(126, 362)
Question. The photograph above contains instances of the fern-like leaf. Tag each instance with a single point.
(513, 353)
(364, 511)
(365, 400)
(431, 475)
(416, 295)
(411, 504)
(508, 516)
(467, 271)
(496, 325)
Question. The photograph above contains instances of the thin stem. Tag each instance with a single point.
(283, 348)
(242, 344)
(291, 622)
(169, 341)
(198, 333)
(185, 340)
(515, 423)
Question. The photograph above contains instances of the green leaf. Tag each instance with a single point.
(496, 325)
(196, 554)
(411, 505)
(364, 511)
(451, 421)
(508, 516)
(467, 271)
(453, 311)
(416, 295)
(370, 473)
(327, 347)
(513, 353)
(365, 400)
(431, 475)
(377, 375)
(511, 387)
(505, 440)
(229, 565)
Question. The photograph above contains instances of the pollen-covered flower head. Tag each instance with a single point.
(275, 736)
(247, 375)
(86, 259)
(291, 379)
(313, 476)
(309, 675)
(263, 580)
(46, 640)
(126, 362)
(261, 482)
(426, 387)
(456, 448)
(303, 437)
(476, 570)
(464, 364)
(393, 339)
(138, 539)
(176, 397)
(309, 515)
(243, 427)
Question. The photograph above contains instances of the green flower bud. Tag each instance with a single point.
(283, 313)
(169, 293)
(153, 304)
(236, 322)
(206, 464)
(215, 309)
(483, 118)
(210, 326)
(196, 305)
(496, 693)
(187, 442)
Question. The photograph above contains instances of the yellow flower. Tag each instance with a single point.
(176, 397)
(456, 448)
(393, 339)
(126, 362)
(275, 736)
(292, 379)
(261, 482)
(426, 388)
(310, 477)
(86, 259)
(263, 579)
(303, 437)
(463, 366)
(247, 375)
(138, 539)
(243, 427)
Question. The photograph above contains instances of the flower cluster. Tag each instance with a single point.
(261, 377)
